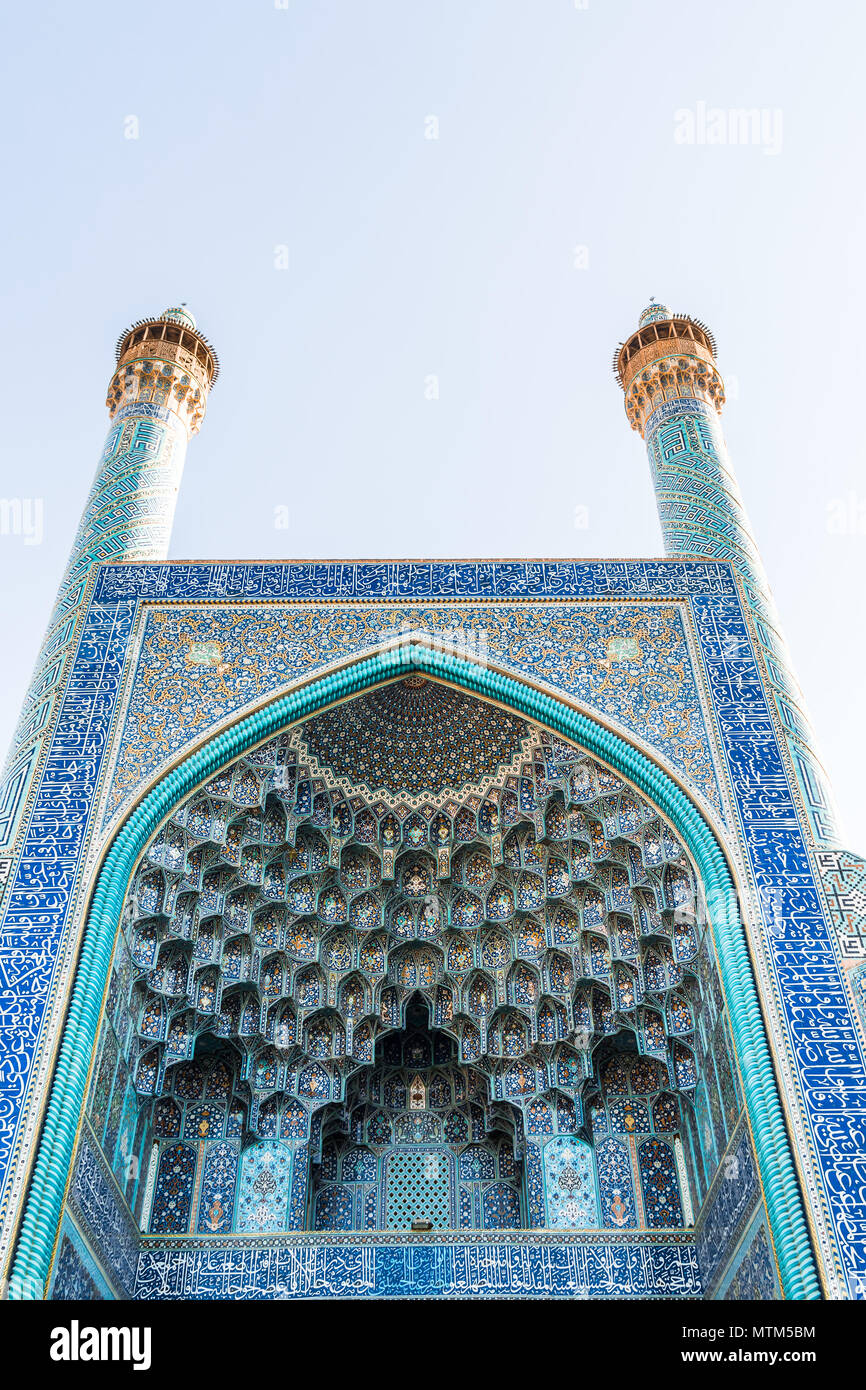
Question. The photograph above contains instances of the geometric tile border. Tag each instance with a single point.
(728, 1208)
(77, 1275)
(751, 1275)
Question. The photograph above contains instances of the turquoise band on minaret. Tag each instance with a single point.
(157, 399)
(673, 397)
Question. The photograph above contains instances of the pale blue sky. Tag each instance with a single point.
(305, 127)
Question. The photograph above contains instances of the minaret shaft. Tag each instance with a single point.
(157, 399)
(674, 395)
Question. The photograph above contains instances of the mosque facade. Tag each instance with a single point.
(426, 929)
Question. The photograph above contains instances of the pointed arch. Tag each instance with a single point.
(43, 1208)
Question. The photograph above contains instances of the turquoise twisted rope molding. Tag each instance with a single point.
(56, 1144)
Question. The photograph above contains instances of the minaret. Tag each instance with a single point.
(157, 400)
(673, 397)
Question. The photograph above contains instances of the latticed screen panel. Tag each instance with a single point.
(418, 1188)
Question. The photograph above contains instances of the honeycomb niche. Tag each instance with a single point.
(415, 960)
